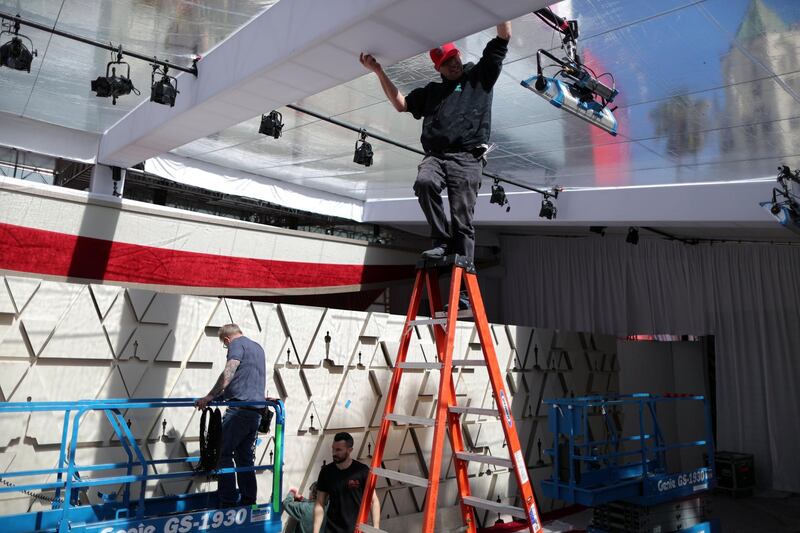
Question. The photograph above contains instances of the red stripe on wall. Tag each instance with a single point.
(43, 252)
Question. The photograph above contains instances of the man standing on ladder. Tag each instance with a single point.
(455, 133)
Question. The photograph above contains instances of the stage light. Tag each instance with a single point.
(164, 90)
(600, 230)
(113, 86)
(633, 236)
(499, 195)
(363, 152)
(271, 124)
(14, 54)
(548, 209)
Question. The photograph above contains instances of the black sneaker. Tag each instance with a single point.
(437, 252)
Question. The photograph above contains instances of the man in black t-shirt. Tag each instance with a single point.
(457, 115)
(342, 481)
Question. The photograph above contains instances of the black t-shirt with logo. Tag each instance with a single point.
(344, 488)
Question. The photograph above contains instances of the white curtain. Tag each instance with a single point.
(746, 295)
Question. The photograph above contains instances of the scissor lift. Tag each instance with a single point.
(182, 513)
(626, 479)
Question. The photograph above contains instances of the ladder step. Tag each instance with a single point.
(428, 321)
(369, 529)
(420, 366)
(406, 419)
(365, 528)
(473, 411)
(495, 507)
(402, 478)
(486, 459)
(469, 362)
(463, 313)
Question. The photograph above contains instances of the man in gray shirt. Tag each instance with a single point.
(243, 379)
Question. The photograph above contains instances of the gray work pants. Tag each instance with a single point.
(460, 173)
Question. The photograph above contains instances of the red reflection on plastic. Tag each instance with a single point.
(610, 155)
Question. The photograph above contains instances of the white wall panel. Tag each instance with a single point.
(21, 290)
(160, 345)
(79, 334)
(6, 303)
(104, 297)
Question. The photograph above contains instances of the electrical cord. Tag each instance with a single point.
(210, 440)
(35, 495)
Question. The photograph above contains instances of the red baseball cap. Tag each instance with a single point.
(443, 53)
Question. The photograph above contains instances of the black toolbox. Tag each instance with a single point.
(736, 474)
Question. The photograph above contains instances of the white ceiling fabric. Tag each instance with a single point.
(231, 181)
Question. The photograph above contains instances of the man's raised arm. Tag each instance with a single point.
(504, 30)
(395, 97)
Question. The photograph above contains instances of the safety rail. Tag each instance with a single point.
(66, 513)
(592, 472)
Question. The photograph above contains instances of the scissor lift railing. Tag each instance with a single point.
(183, 512)
(602, 471)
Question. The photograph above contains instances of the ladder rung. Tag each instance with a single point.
(463, 313)
(406, 419)
(486, 459)
(369, 529)
(474, 411)
(420, 366)
(402, 478)
(428, 321)
(469, 362)
(501, 508)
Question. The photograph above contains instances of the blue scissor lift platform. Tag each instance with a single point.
(182, 513)
(628, 471)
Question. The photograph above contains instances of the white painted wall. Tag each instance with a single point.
(62, 341)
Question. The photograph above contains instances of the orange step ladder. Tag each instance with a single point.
(448, 413)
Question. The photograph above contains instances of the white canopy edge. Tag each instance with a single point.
(710, 203)
(230, 181)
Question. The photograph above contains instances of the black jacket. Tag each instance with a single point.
(458, 114)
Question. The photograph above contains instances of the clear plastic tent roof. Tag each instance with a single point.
(57, 90)
(709, 91)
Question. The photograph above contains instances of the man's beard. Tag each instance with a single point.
(338, 461)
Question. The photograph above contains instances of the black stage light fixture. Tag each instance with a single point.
(272, 124)
(363, 152)
(633, 235)
(14, 54)
(164, 90)
(499, 195)
(548, 209)
(600, 230)
(113, 86)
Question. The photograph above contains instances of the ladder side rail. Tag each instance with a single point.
(391, 398)
(501, 398)
(453, 419)
(445, 375)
